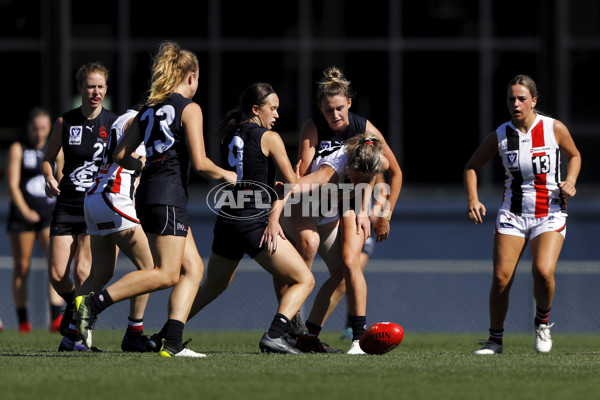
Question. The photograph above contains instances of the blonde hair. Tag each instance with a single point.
(169, 68)
(333, 83)
(364, 153)
(85, 70)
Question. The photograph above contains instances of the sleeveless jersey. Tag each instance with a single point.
(83, 143)
(165, 177)
(252, 197)
(327, 138)
(32, 183)
(335, 157)
(112, 178)
(532, 166)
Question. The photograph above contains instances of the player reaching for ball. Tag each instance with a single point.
(334, 125)
(533, 207)
(350, 169)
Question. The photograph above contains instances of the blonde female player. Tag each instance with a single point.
(332, 127)
(533, 206)
(351, 168)
(170, 125)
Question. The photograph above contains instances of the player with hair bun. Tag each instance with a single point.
(533, 207)
(333, 127)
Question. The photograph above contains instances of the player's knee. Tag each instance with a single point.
(543, 275)
(56, 276)
(308, 280)
(309, 245)
(166, 279)
(350, 262)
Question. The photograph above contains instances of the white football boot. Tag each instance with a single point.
(543, 340)
(490, 347)
(355, 348)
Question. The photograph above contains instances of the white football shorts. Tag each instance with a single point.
(107, 213)
(508, 223)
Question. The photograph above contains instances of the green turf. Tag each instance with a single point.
(424, 366)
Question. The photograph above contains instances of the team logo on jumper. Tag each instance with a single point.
(75, 135)
(512, 159)
(83, 177)
(246, 201)
(325, 144)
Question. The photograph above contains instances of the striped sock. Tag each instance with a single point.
(134, 327)
(541, 316)
(496, 335)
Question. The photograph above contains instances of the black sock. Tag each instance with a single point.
(313, 329)
(55, 311)
(100, 302)
(22, 314)
(69, 299)
(279, 326)
(173, 334)
(359, 325)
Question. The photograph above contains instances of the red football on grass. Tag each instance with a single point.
(381, 337)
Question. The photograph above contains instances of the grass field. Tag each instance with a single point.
(424, 366)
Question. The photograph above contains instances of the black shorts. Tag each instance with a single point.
(163, 220)
(16, 223)
(67, 220)
(230, 243)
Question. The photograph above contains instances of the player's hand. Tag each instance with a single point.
(476, 212)
(567, 188)
(52, 188)
(230, 177)
(31, 216)
(268, 241)
(381, 227)
(363, 223)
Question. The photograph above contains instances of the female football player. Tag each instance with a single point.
(352, 169)
(256, 152)
(332, 127)
(30, 213)
(80, 135)
(170, 125)
(533, 207)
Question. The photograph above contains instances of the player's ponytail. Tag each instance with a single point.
(364, 153)
(170, 66)
(254, 95)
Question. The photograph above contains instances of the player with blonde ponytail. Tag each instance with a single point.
(170, 124)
